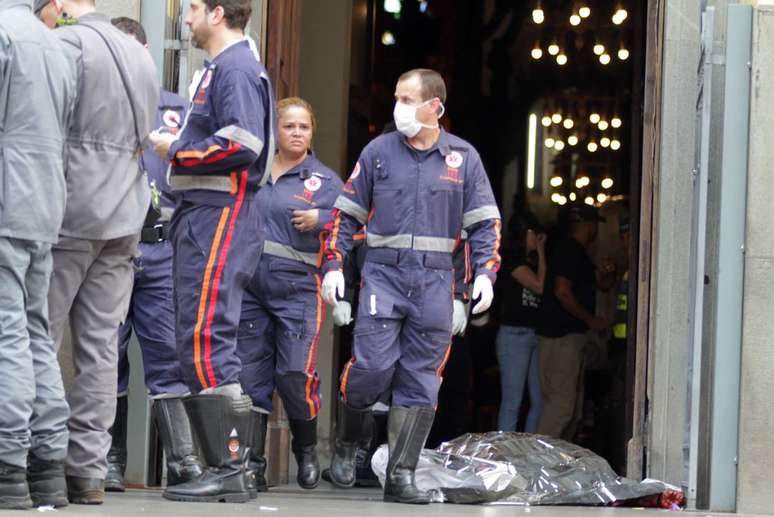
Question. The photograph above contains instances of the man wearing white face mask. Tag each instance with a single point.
(418, 189)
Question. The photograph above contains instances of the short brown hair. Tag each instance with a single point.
(432, 84)
(296, 102)
(131, 27)
(236, 12)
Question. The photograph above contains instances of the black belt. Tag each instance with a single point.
(154, 234)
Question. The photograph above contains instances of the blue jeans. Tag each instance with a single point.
(517, 354)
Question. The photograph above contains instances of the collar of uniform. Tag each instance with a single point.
(306, 165)
(441, 145)
(230, 47)
(94, 17)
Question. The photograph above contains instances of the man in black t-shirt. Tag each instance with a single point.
(568, 313)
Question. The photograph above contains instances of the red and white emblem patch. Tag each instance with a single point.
(207, 79)
(454, 160)
(355, 172)
(313, 184)
(171, 119)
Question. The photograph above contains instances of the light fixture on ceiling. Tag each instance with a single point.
(615, 145)
(550, 142)
(561, 59)
(620, 15)
(616, 122)
(594, 118)
(388, 39)
(556, 118)
(592, 147)
(537, 52)
(392, 6)
(538, 16)
(607, 183)
(603, 125)
(599, 49)
(584, 11)
(604, 59)
(572, 140)
(553, 48)
(601, 198)
(546, 121)
(559, 145)
(605, 142)
(568, 123)
(573, 196)
(575, 19)
(556, 181)
(589, 201)
(623, 54)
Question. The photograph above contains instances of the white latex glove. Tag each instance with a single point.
(459, 318)
(332, 285)
(342, 314)
(482, 288)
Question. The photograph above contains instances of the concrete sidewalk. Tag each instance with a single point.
(325, 501)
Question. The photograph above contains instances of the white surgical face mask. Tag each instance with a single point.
(406, 121)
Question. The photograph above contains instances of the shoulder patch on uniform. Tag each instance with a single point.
(454, 160)
(355, 171)
(313, 184)
(207, 79)
(171, 119)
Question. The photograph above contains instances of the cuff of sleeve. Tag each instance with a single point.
(491, 275)
(325, 217)
(173, 148)
(331, 265)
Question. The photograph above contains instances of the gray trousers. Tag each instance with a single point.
(91, 287)
(561, 384)
(33, 410)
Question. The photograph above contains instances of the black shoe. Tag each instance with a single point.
(85, 490)
(114, 479)
(350, 427)
(304, 446)
(222, 426)
(364, 475)
(46, 479)
(407, 432)
(14, 492)
(174, 428)
(256, 464)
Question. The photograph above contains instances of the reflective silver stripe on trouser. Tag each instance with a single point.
(402, 241)
(270, 143)
(219, 183)
(242, 137)
(349, 207)
(480, 214)
(285, 251)
(440, 244)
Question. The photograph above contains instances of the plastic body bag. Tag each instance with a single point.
(524, 469)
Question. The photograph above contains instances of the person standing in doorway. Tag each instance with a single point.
(107, 200)
(569, 306)
(219, 160)
(519, 297)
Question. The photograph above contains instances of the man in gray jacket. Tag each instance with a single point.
(107, 200)
(37, 94)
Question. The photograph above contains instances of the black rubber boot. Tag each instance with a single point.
(114, 479)
(304, 446)
(222, 425)
(407, 432)
(351, 424)
(174, 428)
(365, 477)
(14, 493)
(256, 465)
(46, 481)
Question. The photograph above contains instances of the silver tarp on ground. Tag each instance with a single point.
(516, 468)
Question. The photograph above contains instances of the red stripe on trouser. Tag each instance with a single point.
(218, 274)
(311, 364)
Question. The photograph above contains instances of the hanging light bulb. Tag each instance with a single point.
(573, 140)
(550, 142)
(579, 183)
(568, 123)
(601, 198)
(594, 118)
(573, 196)
(615, 145)
(620, 16)
(623, 54)
(392, 6)
(604, 59)
(603, 125)
(546, 121)
(561, 60)
(605, 142)
(553, 49)
(584, 12)
(575, 20)
(599, 49)
(589, 201)
(556, 118)
(616, 122)
(555, 197)
(607, 183)
(556, 181)
(559, 145)
(388, 39)
(538, 16)
(592, 147)
(536, 53)
(562, 201)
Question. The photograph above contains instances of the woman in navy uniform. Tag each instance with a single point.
(283, 311)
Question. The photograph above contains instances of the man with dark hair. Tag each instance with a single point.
(37, 92)
(218, 162)
(107, 200)
(151, 316)
(569, 302)
(418, 189)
